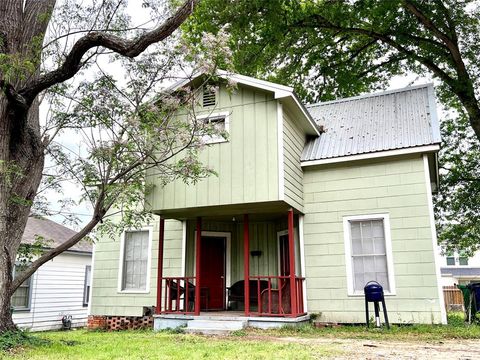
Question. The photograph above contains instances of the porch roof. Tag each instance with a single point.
(256, 210)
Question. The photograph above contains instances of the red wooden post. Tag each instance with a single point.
(161, 237)
(197, 265)
(291, 251)
(246, 263)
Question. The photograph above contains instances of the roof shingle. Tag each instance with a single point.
(53, 231)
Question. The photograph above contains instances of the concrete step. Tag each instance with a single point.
(215, 327)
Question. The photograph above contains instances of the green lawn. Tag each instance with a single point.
(82, 344)
(304, 342)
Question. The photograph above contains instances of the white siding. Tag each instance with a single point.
(57, 290)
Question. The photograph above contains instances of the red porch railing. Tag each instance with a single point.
(274, 296)
(179, 295)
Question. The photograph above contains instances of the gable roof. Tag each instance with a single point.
(279, 92)
(51, 230)
(390, 120)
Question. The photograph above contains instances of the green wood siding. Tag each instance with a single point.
(396, 187)
(106, 300)
(247, 164)
(293, 143)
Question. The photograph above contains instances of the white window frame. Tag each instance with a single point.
(30, 290)
(348, 251)
(149, 262)
(216, 139)
(88, 276)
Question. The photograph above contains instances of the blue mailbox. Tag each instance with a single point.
(374, 293)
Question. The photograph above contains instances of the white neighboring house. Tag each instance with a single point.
(458, 269)
(59, 287)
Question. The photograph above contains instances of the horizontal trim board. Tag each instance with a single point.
(374, 155)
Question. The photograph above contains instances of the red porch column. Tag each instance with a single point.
(161, 237)
(246, 263)
(291, 251)
(197, 265)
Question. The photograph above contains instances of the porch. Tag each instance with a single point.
(218, 254)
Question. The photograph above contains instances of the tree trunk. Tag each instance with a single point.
(21, 165)
(6, 322)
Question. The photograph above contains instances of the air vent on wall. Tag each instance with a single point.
(208, 97)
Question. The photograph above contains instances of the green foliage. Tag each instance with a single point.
(456, 318)
(331, 49)
(457, 202)
(19, 338)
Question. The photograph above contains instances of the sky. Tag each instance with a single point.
(71, 140)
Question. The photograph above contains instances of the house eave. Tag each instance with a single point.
(374, 155)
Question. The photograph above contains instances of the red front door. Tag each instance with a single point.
(212, 273)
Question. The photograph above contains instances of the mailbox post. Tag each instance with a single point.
(374, 293)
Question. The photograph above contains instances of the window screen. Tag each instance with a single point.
(369, 255)
(135, 260)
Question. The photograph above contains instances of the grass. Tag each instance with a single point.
(242, 344)
(456, 329)
(83, 344)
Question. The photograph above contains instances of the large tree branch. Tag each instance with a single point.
(323, 23)
(450, 43)
(129, 48)
(50, 254)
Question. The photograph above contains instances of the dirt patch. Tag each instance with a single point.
(374, 349)
(378, 349)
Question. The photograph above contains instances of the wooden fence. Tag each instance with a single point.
(453, 298)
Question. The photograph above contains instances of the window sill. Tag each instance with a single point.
(133, 292)
(21, 310)
(215, 141)
(389, 294)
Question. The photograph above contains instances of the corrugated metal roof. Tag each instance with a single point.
(51, 231)
(376, 122)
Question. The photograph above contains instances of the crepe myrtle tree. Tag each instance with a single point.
(108, 125)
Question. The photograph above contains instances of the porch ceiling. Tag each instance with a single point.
(257, 211)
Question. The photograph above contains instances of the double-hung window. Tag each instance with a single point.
(135, 261)
(21, 297)
(368, 252)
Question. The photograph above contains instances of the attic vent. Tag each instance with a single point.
(208, 98)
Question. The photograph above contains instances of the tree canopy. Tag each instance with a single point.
(103, 74)
(332, 49)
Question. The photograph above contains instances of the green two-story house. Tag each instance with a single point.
(311, 202)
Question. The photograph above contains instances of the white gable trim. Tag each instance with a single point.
(433, 230)
(373, 155)
(279, 91)
(281, 169)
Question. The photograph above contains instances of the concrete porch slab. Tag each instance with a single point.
(223, 322)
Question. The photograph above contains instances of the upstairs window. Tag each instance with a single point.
(21, 297)
(220, 125)
(457, 259)
(209, 97)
